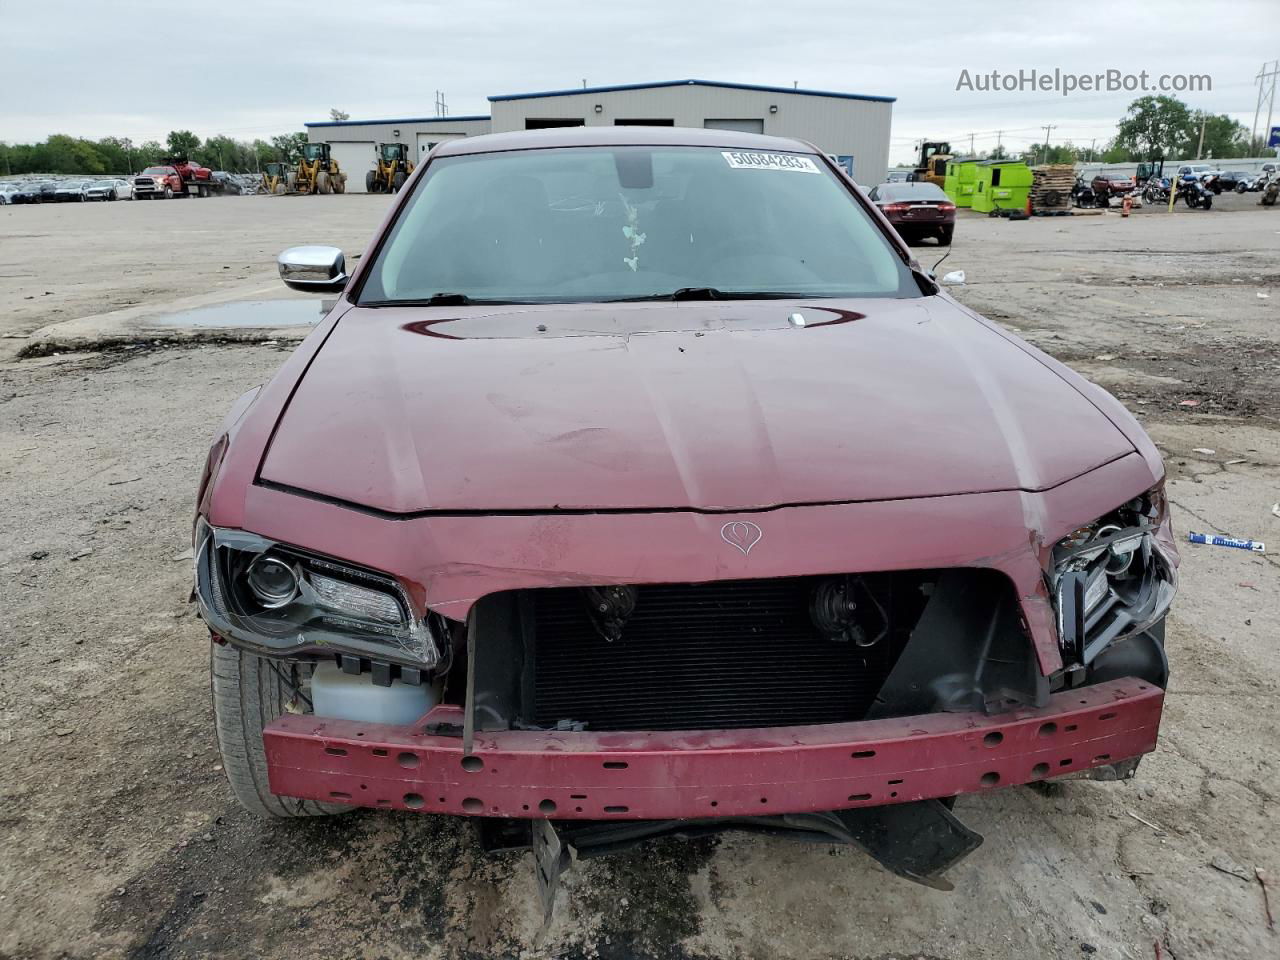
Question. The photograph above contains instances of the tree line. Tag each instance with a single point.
(60, 153)
(1153, 128)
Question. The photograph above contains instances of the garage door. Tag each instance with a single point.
(742, 126)
(355, 158)
(428, 140)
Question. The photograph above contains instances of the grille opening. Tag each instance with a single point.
(722, 655)
(790, 651)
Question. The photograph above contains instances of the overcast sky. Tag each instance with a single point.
(251, 68)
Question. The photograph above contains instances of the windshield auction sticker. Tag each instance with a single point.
(744, 160)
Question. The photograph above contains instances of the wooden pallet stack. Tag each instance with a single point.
(1051, 186)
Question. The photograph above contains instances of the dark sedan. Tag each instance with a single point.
(1237, 180)
(917, 210)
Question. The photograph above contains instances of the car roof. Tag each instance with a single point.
(621, 136)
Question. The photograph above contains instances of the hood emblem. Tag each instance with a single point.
(741, 535)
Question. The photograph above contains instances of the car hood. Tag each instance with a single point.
(715, 406)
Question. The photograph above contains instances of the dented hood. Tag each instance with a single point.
(720, 406)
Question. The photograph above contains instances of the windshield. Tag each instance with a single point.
(613, 223)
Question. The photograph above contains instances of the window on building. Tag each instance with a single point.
(547, 123)
(742, 126)
(655, 122)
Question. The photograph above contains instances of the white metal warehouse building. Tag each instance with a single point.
(854, 128)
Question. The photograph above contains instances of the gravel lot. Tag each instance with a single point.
(119, 834)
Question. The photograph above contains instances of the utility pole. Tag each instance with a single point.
(1048, 127)
(1092, 144)
(1200, 146)
(1265, 92)
(999, 139)
(971, 144)
(442, 108)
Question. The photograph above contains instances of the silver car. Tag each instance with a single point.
(105, 190)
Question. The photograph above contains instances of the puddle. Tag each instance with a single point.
(251, 313)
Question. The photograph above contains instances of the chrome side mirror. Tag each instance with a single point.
(953, 279)
(313, 269)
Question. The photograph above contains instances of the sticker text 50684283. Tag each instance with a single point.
(753, 160)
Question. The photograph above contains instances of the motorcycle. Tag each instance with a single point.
(1083, 196)
(1270, 192)
(1194, 192)
(1155, 190)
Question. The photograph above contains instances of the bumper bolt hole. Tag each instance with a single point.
(1040, 770)
(547, 806)
(472, 764)
(414, 801)
(406, 759)
(472, 804)
(1048, 729)
(993, 739)
(990, 779)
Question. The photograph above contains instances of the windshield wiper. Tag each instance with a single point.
(435, 300)
(712, 293)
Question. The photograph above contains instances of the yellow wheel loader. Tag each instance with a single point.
(932, 165)
(318, 172)
(393, 169)
(275, 178)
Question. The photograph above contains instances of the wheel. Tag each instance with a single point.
(340, 183)
(945, 234)
(1208, 202)
(322, 183)
(168, 193)
(1241, 188)
(397, 182)
(80, 198)
(247, 695)
(279, 189)
(370, 182)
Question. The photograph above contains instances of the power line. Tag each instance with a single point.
(1265, 93)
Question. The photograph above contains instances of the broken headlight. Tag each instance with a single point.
(1112, 578)
(276, 600)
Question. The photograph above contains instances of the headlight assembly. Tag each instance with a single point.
(1111, 578)
(279, 600)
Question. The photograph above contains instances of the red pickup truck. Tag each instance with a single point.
(176, 177)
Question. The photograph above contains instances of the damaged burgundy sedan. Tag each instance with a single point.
(641, 482)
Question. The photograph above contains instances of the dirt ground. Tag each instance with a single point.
(118, 833)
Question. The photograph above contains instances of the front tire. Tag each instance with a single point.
(168, 193)
(397, 182)
(247, 695)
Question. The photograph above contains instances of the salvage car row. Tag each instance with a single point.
(60, 191)
(163, 181)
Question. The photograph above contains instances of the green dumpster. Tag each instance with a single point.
(1001, 185)
(962, 173)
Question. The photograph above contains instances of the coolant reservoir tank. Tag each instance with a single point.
(347, 696)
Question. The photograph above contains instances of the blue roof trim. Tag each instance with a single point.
(697, 83)
(365, 123)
